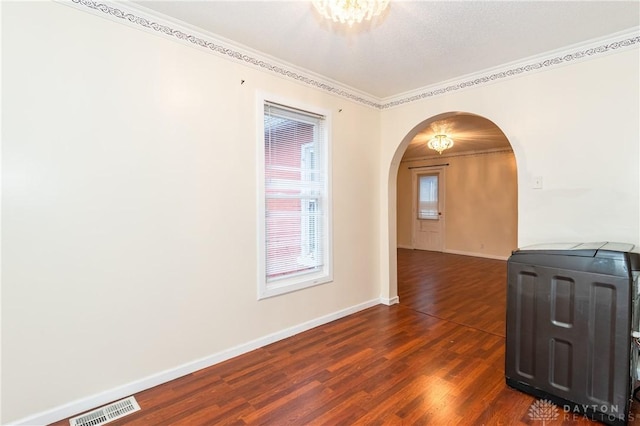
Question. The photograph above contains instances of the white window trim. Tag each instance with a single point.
(291, 283)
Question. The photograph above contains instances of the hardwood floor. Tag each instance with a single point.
(470, 291)
(437, 358)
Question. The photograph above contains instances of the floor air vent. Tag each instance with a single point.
(106, 414)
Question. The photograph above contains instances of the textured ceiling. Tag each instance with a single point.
(413, 44)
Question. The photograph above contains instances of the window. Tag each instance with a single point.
(428, 197)
(294, 223)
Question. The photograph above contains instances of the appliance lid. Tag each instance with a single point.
(594, 249)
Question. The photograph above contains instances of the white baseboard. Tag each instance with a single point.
(391, 301)
(468, 253)
(402, 246)
(102, 398)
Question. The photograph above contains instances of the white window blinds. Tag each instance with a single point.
(295, 190)
(428, 197)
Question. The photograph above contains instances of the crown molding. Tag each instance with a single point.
(579, 52)
(459, 154)
(154, 22)
(173, 29)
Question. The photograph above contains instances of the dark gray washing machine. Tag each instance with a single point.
(571, 311)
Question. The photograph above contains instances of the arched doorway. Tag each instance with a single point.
(479, 212)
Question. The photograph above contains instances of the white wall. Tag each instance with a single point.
(129, 197)
(129, 206)
(577, 126)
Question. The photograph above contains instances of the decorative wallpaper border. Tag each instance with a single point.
(535, 66)
(218, 48)
(479, 79)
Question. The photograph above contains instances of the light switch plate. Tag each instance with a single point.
(537, 182)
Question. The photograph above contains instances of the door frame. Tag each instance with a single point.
(415, 172)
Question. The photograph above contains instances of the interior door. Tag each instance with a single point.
(428, 210)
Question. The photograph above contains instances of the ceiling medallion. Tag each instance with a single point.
(350, 11)
(440, 143)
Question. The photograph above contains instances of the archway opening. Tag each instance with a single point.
(477, 204)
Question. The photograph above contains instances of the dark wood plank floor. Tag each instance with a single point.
(470, 291)
(437, 358)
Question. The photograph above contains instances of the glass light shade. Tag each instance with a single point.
(350, 11)
(440, 143)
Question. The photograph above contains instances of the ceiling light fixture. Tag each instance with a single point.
(440, 143)
(350, 11)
